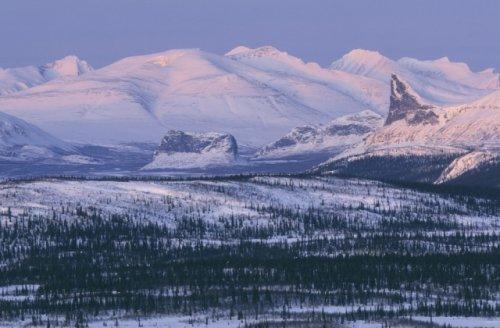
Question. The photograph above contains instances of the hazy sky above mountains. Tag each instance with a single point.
(102, 31)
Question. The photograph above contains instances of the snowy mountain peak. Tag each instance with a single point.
(406, 104)
(67, 66)
(264, 51)
(364, 54)
(237, 50)
(13, 80)
(364, 62)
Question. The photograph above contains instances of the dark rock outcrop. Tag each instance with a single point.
(405, 104)
(182, 142)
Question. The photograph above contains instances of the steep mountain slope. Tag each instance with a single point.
(426, 139)
(21, 141)
(439, 82)
(332, 137)
(18, 79)
(184, 150)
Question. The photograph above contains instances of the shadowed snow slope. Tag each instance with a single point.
(18, 79)
(22, 141)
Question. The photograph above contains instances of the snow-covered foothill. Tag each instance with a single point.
(21, 141)
(467, 163)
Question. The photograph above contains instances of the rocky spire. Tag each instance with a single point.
(406, 104)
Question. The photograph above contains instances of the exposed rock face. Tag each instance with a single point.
(405, 104)
(182, 150)
(182, 142)
(339, 133)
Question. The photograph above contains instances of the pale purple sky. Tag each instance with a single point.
(102, 31)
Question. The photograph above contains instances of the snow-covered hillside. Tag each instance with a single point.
(184, 150)
(258, 95)
(21, 141)
(18, 79)
(332, 137)
(467, 163)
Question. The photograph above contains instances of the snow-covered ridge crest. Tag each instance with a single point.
(439, 82)
(467, 163)
(334, 136)
(18, 79)
(257, 95)
(184, 150)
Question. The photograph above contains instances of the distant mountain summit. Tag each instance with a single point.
(18, 79)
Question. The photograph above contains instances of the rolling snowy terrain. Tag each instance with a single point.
(239, 251)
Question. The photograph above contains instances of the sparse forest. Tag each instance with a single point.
(321, 250)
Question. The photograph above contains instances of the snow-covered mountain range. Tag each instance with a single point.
(258, 95)
(270, 101)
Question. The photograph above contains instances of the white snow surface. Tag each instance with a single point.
(190, 160)
(459, 129)
(21, 140)
(466, 163)
(439, 82)
(258, 95)
(17, 79)
(337, 134)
